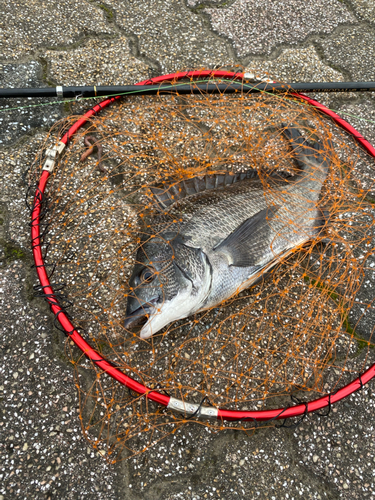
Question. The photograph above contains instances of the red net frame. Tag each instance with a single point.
(99, 360)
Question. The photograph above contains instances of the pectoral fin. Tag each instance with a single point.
(247, 245)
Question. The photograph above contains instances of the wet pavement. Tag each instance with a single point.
(43, 452)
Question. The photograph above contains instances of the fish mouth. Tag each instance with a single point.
(140, 316)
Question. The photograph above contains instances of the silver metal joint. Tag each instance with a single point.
(189, 409)
(253, 79)
(59, 91)
(249, 76)
(52, 155)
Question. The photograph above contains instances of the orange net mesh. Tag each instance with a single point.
(298, 331)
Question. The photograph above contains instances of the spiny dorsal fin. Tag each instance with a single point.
(167, 194)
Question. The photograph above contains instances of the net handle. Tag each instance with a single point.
(96, 357)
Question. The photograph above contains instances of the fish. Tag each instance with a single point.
(216, 235)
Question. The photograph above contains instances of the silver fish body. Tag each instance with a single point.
(211, 241)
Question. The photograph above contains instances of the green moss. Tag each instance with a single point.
(67, 107)
(347, 326)
(101, 346)
(107, 10)
(11, 251)
(208, 5)
(45, 77)
(360, 342)
(63, 357)
(321, 286)
(370, 199)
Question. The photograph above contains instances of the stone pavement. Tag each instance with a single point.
(70, 42)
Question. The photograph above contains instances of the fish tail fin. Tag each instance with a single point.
(311, 156)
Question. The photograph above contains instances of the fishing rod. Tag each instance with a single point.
(187, 88)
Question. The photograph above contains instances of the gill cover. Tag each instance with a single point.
(170, 281)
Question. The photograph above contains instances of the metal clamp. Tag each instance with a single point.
(189, 409)
(52, 155)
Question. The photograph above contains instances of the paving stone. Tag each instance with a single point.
(40, 431)
(34, 428)
(295, 65)
(171, 34)
(351, 50)
(272, 463)
(42, 25)
(364, 9)
(259, 26)
(99, 62)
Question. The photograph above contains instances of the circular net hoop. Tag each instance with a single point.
(297, 333)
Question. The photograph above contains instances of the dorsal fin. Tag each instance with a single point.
(167, 194)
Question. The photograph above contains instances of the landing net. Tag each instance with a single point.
(302, 331)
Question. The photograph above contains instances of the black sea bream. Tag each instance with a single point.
(218, 234)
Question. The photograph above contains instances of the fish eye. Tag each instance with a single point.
(147, 275)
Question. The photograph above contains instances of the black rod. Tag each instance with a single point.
(189, 88)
